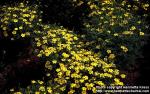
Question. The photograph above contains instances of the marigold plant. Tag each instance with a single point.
(77, 61)
(69, 67)
(20, 20)
(114, 31)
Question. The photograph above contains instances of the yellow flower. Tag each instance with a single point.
(42, 88)
(30, 19)
(62, 66)
(116, 80)
(62, 88)
(48, 51)
(23, 35)
(68, 73)
(98, 46)
(73, 85)
(122, 75)
(5, 33)
(54, 40)
(48, 65)
(21, 5)
(129, 5)
(115, 34)
(92, 6)
(84, 92)
(65, 55)
(100, 83)
(141, 33)
(108, 51)
(94, 89)
(111, 56)
(6, 22)
(15, 28)
(15, 20)
(133, 28)
(24, 20)
(81, 80)
(107, 1)
(84, 88)
(71, 91)
(94, 64)
(110, 70)
(20, 27)
(85, 77)
(89, 85)
(14, 15)
(27, 33)
(54, 61)
(127, 33)
(37, 92)
(40, 20)
(31, 26)
(32, 16)
(120, 83)
(116, 72)
(34, 11)
(114, 17)
(45, 41)
(9, 8)
(48, 74)
(14, 32)
(83, 36)
(58, 70)
(59, 74)
(125, 22)
(145, 6)
(75, 38)
(33, 81)
(4, 28)
(49, 89)
(125, 49)
(11, 90)
(126, 14)
(26, 15)
(40, 82)
(38, 44)
(139, 22)
(17, 93)
(77, 57)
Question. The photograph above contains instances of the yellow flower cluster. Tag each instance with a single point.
(112, 26)
(59, 40)
(18, 21)
(68, 64)
(145, 6)
(125, 49)
(75, 65)
(110, 17)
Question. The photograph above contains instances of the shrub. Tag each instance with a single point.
(77, 62)
(114, 31)
(69, 67)
(19, 20)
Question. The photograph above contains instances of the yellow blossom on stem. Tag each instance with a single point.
(65, 55)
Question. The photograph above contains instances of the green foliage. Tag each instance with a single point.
(111, 27)
(68, 66)
(19, 21)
